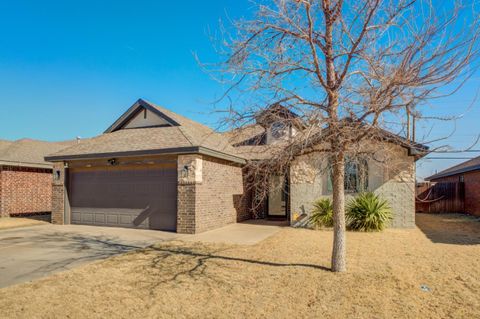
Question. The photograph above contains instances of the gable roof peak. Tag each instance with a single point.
(181, 134)
(139, 105)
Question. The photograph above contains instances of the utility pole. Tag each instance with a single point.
(413, 128)
(408, 123)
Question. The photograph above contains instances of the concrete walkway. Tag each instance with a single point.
(33, 252)
(246, 233)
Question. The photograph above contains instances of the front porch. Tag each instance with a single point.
(271, 204)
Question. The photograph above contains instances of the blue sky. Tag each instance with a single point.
(69, 68)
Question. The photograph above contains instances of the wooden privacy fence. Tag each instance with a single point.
(440, 197)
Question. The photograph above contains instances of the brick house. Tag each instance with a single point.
(155, 169)
(25, 177)
(469, 173)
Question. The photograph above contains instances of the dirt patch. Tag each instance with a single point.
(397, 273)
(7, 222)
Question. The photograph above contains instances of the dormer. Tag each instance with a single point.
(280, 131)
(280, 123)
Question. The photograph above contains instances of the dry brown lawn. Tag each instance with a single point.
(6, 222)
(284, 276)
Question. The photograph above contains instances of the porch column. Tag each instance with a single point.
(189, 172)
(59, 200)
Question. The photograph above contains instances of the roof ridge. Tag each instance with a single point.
(180, 128)
(163, 109)
(185, 122)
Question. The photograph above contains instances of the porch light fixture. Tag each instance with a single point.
(113, 161)
(56, 175)
(185, 170)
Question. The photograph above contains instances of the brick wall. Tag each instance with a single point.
(186, 208)
(25, 190)
(210, 194)
(1, 210)
(243, 204)
(472, 190)
(217, 195)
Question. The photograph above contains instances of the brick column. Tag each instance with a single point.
(3, 213)
(58, 194)
(189, 169)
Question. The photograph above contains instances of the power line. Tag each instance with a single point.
(450, 158)
(464, 151)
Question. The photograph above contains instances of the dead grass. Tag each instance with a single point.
(7, 222)
(284, 276)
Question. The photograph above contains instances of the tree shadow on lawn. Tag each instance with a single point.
(173, 264)
(185, 258)
(456, 229)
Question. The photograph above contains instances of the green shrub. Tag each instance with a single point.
(322, 213)
(368, 212)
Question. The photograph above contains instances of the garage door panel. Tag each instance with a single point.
(138, 198)
(112, 219)
(76, 217)
(87, 218)
(99, 218)
(116, 217)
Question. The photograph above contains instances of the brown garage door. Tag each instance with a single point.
(134, 197)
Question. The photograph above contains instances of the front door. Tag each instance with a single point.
(277, 197)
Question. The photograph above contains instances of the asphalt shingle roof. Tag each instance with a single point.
(184, 133)
(470, 165)
(241, 135)
(248, 141)
(28, 152)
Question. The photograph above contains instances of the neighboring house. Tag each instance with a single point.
(469, 173)
(155, 169)
(25, 177)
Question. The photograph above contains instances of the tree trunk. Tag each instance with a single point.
(339, 263)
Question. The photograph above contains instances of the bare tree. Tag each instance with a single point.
(350, 69)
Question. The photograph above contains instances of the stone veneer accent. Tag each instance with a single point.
(212, 200)
(394, 181)
(25, 190)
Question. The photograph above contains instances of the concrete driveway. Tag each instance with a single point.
(33, 252)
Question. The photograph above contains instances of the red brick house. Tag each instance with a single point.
(155, 169)
(469, 173)
(25, 177)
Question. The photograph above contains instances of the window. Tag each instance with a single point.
(278, 129)
(356, 176)
(461, 178)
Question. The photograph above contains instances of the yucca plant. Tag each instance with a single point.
(368, 212)
(322, 213)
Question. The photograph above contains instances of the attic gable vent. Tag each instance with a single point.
(145, 118)
(141, 115)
